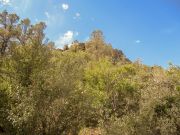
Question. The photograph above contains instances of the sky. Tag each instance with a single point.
(148, 30)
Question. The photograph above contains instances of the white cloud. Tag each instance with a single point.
(77, 16)
(5, 2)
(87, 39)
(47, 14)
(49, 18)
(21, 6)
(138, 41)
(76, 33)
(67, 38)
(36, 20)
(65, 6)
(52, 19)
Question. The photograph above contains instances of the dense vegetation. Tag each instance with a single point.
(85, 87)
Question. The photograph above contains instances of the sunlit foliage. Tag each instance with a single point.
(84, 88)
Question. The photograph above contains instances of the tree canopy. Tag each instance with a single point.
(86, 88)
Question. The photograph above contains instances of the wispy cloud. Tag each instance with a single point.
(67, 38)
(65, 6)
(87, 39)
(50, 19)
(77, 16)
(53, 18)
(76, 33)
(170, 30)
(138, 41)
(20, 6)
(5, 2)
(47, 14)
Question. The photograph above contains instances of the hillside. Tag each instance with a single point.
(85, 88)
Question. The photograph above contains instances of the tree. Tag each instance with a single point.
(8, 31)
(88, 86)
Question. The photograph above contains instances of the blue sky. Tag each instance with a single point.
(148, 30)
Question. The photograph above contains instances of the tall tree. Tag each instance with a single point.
(8, 30)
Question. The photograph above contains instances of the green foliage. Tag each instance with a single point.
(84, 87)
